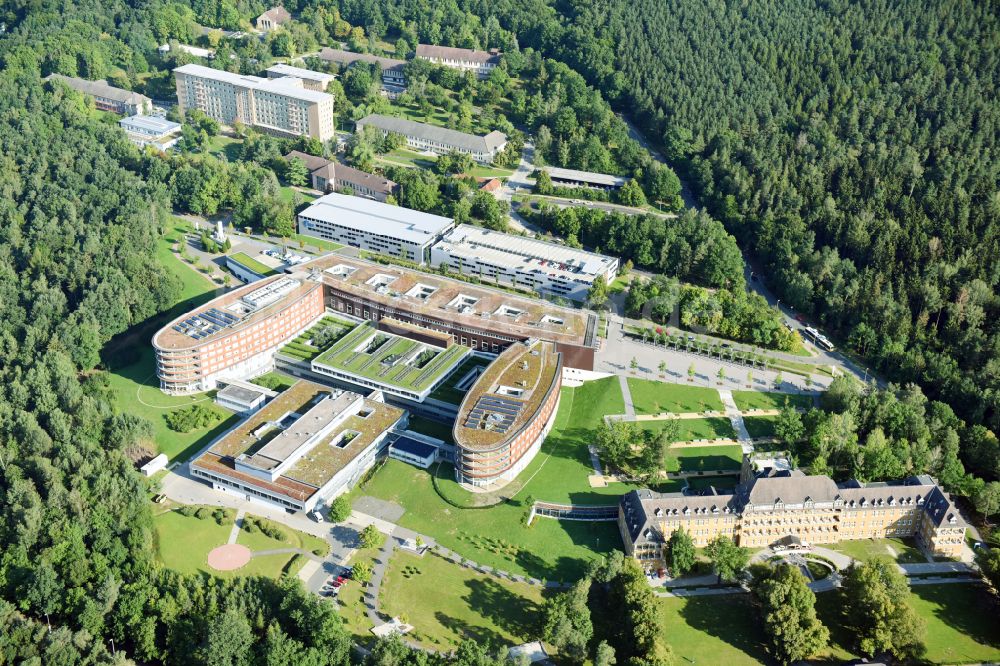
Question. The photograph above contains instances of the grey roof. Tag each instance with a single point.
(789, 489)
(276, 15)
(432, 52)
(302, 430)
(604, 179)
(448, 137)
(525, 254)
(289, 86)
(642, 508)
(342, 57)
(101, 88)
(350, 175)
(312, 162)
(282, 69)
(240, 394)
(149, 124)
(375, 217)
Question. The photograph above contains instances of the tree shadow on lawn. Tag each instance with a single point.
(514, 614)
(463, 629)
(728, 618)
(706, 463)
(968, 609)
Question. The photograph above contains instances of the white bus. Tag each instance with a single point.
(818, 338)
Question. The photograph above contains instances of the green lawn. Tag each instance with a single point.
(447, 392)
(446, 603)
(497, 536)
(252, 264)
(285, 381)
(961, 627)
(183, 543)
(436, 429)
(747, 400)
(317, 243)
(691, 429)
(137, 392)
(960, 619)
(760, 426)
(652, 397)
(131, 360)
(722, 629)
(866, 549)
(704, 458)
(224, 146)
(293, 539)
(289, 194)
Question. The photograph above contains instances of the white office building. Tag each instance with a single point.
(525, 263)
(440, 140)
(284, 106)
(374, 226)
(154, 131)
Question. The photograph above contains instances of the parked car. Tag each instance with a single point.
(317, 516)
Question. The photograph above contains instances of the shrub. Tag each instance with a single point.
(340, 509)
(187, 511)
(202, 513)
(191, 418)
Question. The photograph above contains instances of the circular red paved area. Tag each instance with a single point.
(228, 557)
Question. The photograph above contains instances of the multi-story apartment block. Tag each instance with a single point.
(332, 176)
(311, 80)
(107, 97)
(481, 63)
(526, 263)
(393, 76)
(777, 504)
(440, 140)
(506, 415)
(282, 106)
(373, 226)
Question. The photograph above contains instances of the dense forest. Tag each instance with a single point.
(850, 147)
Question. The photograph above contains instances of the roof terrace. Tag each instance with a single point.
(507, 396)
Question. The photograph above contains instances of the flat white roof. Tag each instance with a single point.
(586, 176)
(300, 73)
(374, 217)
(524, 254)
(288, 85)
(149, 123)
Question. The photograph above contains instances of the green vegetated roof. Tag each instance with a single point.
(245, 259)
(392, 361)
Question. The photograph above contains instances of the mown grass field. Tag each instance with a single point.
(747, 400)
(446, 603)
(652, 397)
